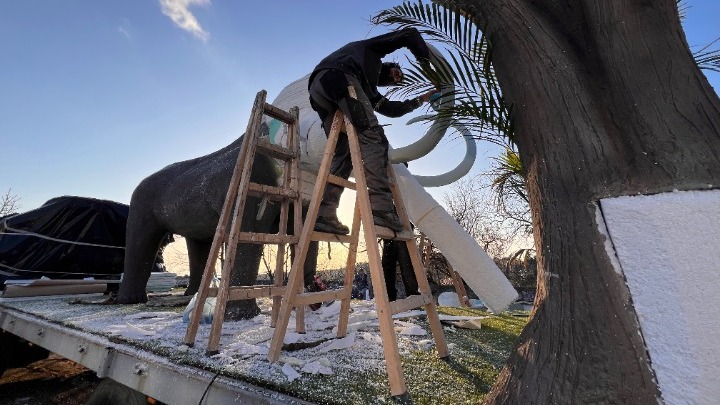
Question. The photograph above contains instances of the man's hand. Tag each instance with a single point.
(426, 96)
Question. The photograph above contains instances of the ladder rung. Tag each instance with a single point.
(254, 291)
(329, 237)
(252, 237)
(321, 296)
(341, 182)
(278, 113)
(277, 193)
(387, 233)
(411, 302)
(273, 150)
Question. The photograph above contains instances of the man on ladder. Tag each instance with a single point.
(359, 64)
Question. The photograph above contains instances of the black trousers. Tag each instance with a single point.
(394, 252)
(328, 93)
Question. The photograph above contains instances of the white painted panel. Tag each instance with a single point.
(668, 246)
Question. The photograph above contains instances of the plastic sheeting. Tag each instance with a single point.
(66, 238)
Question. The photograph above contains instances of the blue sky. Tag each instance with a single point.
(96, 95)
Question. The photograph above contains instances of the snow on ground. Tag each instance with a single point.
(244, 344)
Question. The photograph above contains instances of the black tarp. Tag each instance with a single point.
(66, 238)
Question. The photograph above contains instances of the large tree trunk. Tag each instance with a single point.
(607, 101)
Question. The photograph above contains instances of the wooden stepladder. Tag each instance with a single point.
(426, 250)
(228, 231)
(363, 214)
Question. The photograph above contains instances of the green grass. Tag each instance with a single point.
(476, 358)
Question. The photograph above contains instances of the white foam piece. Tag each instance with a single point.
(462, 251)
(290, 372)
(449, 299)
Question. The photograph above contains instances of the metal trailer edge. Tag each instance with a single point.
(143, 371)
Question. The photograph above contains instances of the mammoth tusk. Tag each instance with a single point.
(437, 130)
(459, 171)
(435, 133)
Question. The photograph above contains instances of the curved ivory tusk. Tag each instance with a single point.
(459, 171)
(437, 130)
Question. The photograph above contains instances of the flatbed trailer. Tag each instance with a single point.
(141, 370)
(141, 347)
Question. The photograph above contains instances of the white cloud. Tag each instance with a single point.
(123, 31)
(179, 13)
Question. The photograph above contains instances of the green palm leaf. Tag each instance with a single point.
(479, 103)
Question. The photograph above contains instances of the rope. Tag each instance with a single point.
(27, 233)
(39, 271)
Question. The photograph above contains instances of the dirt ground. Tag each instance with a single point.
(54, 380)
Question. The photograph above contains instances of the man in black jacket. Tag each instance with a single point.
(359, 64)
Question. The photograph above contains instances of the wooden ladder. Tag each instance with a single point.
(362, 214)
(426, 250)
(240, 188)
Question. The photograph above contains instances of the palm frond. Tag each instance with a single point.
(509, 177)
(478, 100)
(708, 59)
(682, 8)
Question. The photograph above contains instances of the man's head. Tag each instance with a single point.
(390, 74)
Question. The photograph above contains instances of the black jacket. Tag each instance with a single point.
(363, 59)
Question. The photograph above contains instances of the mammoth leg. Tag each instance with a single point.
(198, 252)
(244, 272)
(310, 265)
(142, 241)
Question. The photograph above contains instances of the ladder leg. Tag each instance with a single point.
(460, 288)
(220, 235)
(295, 180)
(278, 282)
(203, 292)
(349, 275)
(249, 158)
(420, 273)
(300, 309)
(219, 314)
(430, 308)
(296, 271)
(284, 315)
(387, 325)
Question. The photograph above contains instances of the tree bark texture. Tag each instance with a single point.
(607, 101)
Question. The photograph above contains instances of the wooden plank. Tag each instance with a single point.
(329, 237)
(411, 302)
(341, 182)
(254, 291)
(251, 237)
(387, 233)
(272, 150)
(320, 296)
(278, 113)
(272, 192)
